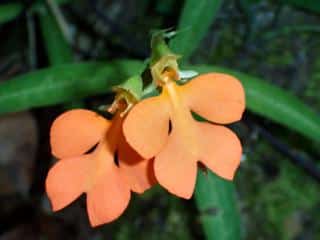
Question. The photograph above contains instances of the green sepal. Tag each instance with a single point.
(133, 85)
(159, 47)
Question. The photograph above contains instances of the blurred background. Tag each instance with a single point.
(277, 186)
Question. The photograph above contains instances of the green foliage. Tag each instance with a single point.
(195, 20)
(57, 48)
(279, 204)
(72, 81)
(215, 198)
(168, 220)
(9, 11)
(63, 83)
(307, 4)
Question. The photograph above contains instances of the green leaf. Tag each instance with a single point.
(71, 81)
(133, 85)
(9, 11)
(216, 201)
(63, 83)
(58, 50)
(274, 103)
(195, 20)
(306, 4)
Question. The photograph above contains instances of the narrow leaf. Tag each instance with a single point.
(216, 201)
(63, 83)
(58, 50)
(306, 4)
(195, 20)
(9, 11)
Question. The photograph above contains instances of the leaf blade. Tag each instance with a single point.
(9, 11)
(262, 98)
(63, 83)
(57, 48)
(306, 4)
(216, 201)
(195, 20)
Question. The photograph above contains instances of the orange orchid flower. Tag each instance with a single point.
(106, 183)
(217, 97)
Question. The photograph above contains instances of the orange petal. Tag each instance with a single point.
(108, 198)
(67, 180)
(176, 169)
(147, 125)
(138, 171)
(75, 132)
(221, 149)
(217, 97)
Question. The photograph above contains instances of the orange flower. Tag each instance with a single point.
(106, 183)
(217, 97)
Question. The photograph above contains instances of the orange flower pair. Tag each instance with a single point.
(106, 183)
(157, 141)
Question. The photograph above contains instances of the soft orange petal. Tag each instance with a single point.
(108, 198)
(138, 171)
(75, 132)
(217, 97)
(221, 149)
(146, 126)
(67, 180)
(176, 169)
